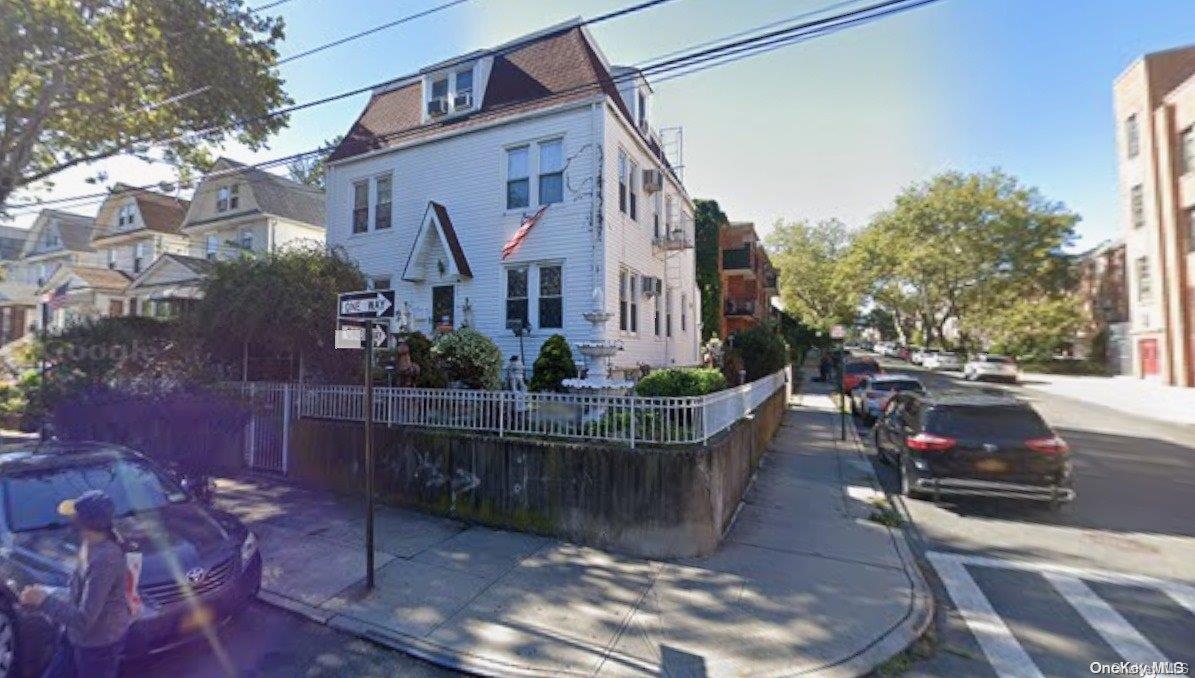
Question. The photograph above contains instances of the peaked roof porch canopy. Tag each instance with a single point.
(436, 229)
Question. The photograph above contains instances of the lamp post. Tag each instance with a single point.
(838, 334)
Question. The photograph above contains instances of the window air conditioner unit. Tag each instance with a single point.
(462, 101)
(437, 106)
(653, 180)
(652, 286)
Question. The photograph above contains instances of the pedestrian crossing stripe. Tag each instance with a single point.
(1007, 657)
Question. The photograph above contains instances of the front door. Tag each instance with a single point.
(443, 308)
(1148, 350)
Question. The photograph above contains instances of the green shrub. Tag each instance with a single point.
(554, 364)
(469, 357)
(732, 365)
(763, 351)
(681, 381)
(431, 375)
(1066, 367)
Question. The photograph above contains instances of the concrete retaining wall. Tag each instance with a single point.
(652, 502)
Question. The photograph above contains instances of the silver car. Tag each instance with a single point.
(990, 366)
(942, 360)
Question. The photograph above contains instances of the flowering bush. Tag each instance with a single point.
(469, 357)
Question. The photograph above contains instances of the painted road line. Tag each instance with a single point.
(1115, 629)
(1004, 653)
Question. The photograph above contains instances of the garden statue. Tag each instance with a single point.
(515, 379)
(405, 371)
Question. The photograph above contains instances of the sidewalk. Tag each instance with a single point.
(1130, 395)
(804, 583)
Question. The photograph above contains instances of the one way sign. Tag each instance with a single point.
(367, 304)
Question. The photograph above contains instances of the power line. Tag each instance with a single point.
(678, 66)
(369, 31)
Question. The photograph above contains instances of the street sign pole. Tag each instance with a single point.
(841, 393)
(369, 455)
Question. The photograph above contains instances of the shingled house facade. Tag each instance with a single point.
(444, 165)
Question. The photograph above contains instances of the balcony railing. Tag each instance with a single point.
(737, 259)
(740, 307)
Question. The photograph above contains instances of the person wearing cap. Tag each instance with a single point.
(96, 618)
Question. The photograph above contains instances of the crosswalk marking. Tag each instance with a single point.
(1120, 634)
(1006, 655)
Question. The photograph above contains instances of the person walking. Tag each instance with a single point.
(96, 617)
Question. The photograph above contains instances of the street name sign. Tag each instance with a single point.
(366, 304)
(353, 336)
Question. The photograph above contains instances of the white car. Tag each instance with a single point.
(873, 393)
(917, 355)
(942, 360)
(989, 366)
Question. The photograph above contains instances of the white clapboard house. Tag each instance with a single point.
(443, 166)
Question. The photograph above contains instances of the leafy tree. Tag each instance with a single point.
(553, 365)
(708, 221)
(313, 171)
(960, 246)
(284, 301)
(1035, 328)
(818, 284)
(84, 81)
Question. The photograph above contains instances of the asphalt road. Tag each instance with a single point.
(263, 641)
(1026, 591)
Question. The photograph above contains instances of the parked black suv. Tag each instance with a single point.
(973, 445)
(199, 565)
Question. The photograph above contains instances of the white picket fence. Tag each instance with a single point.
(629, 420)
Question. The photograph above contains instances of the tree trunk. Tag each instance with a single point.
(245, 361)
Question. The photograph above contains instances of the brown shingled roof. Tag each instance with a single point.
(556, 68)
(162, 213)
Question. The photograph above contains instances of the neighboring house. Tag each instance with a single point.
(168, 286)
(56, 239)
(1155, 144)
(134, 226)
(1103, 289)
(748, 278)
(75, 293)
(17, 299)
(239, 210)
(443, 166)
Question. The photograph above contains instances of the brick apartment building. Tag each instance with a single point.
(748, 278)
(1104, 290)
(1155, 143)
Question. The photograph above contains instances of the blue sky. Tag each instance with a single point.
(828, 128)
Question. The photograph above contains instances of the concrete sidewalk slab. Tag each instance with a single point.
(803, 584)
(1137, 397)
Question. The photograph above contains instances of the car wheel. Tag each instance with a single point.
(8, 643)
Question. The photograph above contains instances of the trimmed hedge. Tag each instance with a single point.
(681, 381)
(554, 365)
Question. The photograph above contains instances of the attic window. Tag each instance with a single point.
(450, 92)
(126, 215)
(228, 198)
(642, 110)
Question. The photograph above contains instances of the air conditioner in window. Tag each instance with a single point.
(652, 286)
(437, 106)
(653, 180)
(462, 101)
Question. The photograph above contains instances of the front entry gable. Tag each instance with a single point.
(436, 246)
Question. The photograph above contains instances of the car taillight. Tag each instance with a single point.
(928, 442)
(1050, 445)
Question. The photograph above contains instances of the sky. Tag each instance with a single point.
(829, 128)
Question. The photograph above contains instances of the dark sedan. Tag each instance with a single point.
(199, 565)
(973, 445)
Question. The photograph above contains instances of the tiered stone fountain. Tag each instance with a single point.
(598, 356)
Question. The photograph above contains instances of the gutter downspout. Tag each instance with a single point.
(596, 226)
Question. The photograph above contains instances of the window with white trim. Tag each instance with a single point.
(622, 299)
(656, 322)
(450, 92)
(633, 286)
(551, 171)
(212, 247)
(517, 289)
(383, 203)
(1137, 205)
(247, 240)
(518, 177)
(551, 297)
(126, 215)
(462, 97)
(633, 191)
(657, 203)
(1144, 278)
(622, 181)
(111, 257)
(1132, 136)
(228, 197)
(361, 206)
(138, 256)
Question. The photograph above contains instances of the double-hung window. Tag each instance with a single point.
(138, 256)
(1132, 136)
(212, 247)
(622, 300)
(111, 257)
(1137, 206)
(518, 177)
(633, 190)
(361, 206)
(1144, 278)
(633, 288)
(551, 171)
(228, 198)
(551, 297)
(517, 288)
(622, 182)
(382, 213)
(126, 215)
(1187, 150)
(463, 99)
(247, 240)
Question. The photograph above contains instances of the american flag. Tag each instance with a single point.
(520, 235)
(57, 299)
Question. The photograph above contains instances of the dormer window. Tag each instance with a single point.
(450, 92)
(642, 110)
(228, 198)
(126, 215)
